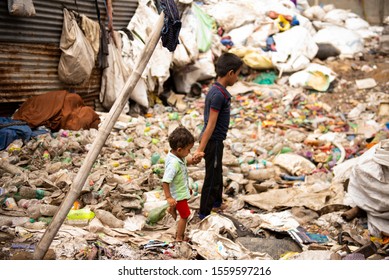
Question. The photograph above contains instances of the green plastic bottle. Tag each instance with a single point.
(155, 158)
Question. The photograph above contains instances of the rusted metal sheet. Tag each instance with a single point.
(46, 26)
(31, 69)
(29, 48)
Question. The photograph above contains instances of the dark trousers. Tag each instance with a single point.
(211, 194)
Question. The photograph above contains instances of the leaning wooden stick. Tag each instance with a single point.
(104, 132)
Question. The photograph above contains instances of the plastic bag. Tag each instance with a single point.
(21, 8)
(204, 28)
(77, 57)
(156, 214)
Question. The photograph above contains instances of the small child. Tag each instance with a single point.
(175, 180)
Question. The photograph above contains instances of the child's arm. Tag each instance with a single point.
(193, 160)
(169, 198)
(207, 133)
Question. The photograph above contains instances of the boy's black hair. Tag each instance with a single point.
(226, 63)
(180, 138)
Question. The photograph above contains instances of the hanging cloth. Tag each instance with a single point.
(104, 41)
(172, 25)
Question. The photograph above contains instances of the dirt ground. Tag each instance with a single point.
(343, 94)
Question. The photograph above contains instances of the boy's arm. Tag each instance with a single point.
(207, 132)
(168, 195)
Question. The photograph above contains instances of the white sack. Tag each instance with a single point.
(295, 48)
(347, 41)
(142, 24)
(336, 16)
(77, 58)
(229, 15)
(369, 187)
(239, 35)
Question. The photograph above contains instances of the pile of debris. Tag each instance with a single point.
(303, 149)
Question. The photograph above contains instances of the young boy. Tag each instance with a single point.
(216, 121)
(175, 181)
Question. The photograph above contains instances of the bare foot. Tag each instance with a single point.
(172, 211)
(182, 239)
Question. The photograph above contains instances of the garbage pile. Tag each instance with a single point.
(290, 161)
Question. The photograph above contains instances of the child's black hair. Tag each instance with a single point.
(180, 138)
(226, 63)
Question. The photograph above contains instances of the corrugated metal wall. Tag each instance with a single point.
(29, 48)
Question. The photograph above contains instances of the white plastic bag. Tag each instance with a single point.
(77, 57)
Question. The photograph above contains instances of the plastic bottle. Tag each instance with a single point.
(155, 158)
(286, 149)
(10, 203)
(76, 205)
(80, 217)
(29, 193)
(25, 203)
(109, 219)
(34, 211)
(48, 210)
(46, 220)
(145, 163)
(81, 214)
(174, 116)
(155, 141)
(46, 155)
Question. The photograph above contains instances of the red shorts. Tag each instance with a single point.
(183, 208)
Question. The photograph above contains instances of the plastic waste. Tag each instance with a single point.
(174, 116)
(46, 220)
(156, 214)
(30, 193)
(282, 23)
(80, 217)
(155, 158)
(10, 203)
(108, 219)
(233, 188)
(48, 210)
(33, 211)
(292, 178)
(261, 174)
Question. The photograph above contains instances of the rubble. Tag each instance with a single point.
(287, 158)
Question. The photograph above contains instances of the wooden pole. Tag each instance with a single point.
(103, 134)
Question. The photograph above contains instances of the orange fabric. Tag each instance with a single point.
(56, 110)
